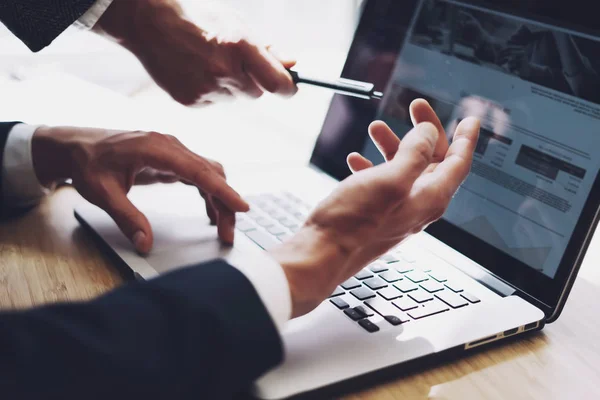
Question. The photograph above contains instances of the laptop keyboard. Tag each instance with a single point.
(400, 286)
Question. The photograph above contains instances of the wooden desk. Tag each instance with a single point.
(46, 257)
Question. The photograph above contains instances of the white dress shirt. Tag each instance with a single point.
(21, 188)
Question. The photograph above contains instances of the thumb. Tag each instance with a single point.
(285, 60)
(415, 152)
(131, 221)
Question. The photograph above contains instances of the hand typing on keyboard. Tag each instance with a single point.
(378, 206)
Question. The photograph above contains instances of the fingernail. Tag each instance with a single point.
(138, 240)
(470, 123)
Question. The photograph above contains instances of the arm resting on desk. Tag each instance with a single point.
(201, 332)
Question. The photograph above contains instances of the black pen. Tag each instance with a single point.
(347, 87)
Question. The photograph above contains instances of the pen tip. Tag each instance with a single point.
(377, 95)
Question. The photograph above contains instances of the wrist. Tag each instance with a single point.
(51, 154)
(137, 23)
(312, 263)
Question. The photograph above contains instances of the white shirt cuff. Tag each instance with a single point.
(89, 19)
(20, 184)
(270, 282)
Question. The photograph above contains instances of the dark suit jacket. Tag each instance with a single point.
(38, 22)
(198, 333)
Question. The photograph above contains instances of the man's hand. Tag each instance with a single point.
(378, 206)
(193, 65)
(104, 165)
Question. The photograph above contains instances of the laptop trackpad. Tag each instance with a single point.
(182, 233)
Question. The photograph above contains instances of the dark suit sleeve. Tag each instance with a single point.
(38, 22)
(198, 333)
(5, 128)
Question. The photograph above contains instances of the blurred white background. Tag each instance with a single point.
(307, 29)
(316, 32)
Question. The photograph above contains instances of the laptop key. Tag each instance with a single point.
(368, 325)
(425, 267)
(428, 309)
(378, 267)
(264, 222)
(278, 214)
(337, 292)
(405, 286)
(389, 258)
(375, 283)
(365, 310)
(389, 293)
(432, 286)
(301, 216)
(288, 223)
(417, 276)
(420, 296)
(470, 297)
(354, 314)
(452, 286)
(391, 275)
(404, 267)
(438, 277)
(362, 293)
(391, 314)
(339, 303)
(452, 299)
(408, 257)
(350, 284)
(405, 303)
(276, 230)
(263, 239)
(364, 274)
(245, 226)
(284, 237)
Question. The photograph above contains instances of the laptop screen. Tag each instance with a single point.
(533, 81)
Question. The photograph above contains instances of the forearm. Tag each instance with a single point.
(135, 23)
(178, 336)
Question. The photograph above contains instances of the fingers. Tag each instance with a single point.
(286, 61)
(415, 153)
(357, 163)
(211, 210)
(384, 138)
(453, 170)
(267, 71)
(164, 153)
(248, 86)
(421, 111)
(129, 219)
(149, 176)
(225, 223)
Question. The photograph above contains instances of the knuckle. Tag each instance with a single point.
(271, 85)
(423, 152)
(200, 174)
(218, 167)
(172, 139)
(154, 137)
(243, 43)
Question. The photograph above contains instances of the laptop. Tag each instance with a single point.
(499, 264)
